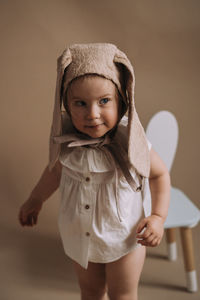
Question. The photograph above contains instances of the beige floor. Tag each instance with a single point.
(34, 266)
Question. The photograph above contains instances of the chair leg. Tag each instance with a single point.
(188, 253)
(171, 244)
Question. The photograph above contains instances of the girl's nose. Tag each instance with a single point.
(93, 112)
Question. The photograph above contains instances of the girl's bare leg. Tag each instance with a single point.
(123, 275)
(92, 281)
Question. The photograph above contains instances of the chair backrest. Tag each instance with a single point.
(162, 132)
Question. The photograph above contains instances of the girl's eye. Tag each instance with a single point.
(104, 101)
(79, 103)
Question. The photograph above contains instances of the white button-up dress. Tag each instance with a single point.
(99, 211)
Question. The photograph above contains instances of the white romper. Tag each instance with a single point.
(99, 211)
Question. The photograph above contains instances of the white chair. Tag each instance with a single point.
(162, 132)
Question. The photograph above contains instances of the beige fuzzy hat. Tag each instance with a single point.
(108, 61)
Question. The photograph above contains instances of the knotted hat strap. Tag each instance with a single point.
(118, 153)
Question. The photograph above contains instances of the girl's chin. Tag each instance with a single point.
(95, 135)
(95, 132)
(91, 135)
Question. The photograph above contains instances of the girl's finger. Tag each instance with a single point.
(35, 219)
(141, 226)
(150, 239)
(22, 219)
(144, 234)
(146, 243)
(142, 242)
(30, 220)
(154, 242)
(23, 215)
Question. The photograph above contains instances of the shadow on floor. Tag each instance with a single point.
(40, 258)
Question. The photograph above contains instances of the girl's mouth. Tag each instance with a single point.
(94, 126)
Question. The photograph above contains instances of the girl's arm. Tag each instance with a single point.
(150, 230)
(46, 186)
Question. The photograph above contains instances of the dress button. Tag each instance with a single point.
(87, 179)
(87, 206)
(87, 234)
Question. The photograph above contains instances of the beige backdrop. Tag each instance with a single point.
(161, 38)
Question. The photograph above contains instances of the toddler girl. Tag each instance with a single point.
(102, 162)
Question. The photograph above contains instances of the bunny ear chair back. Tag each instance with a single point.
(162, 131)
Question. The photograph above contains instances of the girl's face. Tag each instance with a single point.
(93, 105)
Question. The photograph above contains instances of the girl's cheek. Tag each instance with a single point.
(76, 113)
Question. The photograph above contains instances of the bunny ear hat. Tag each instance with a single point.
(108, 61)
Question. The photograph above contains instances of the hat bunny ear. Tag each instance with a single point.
(56, 129)
(138, 152)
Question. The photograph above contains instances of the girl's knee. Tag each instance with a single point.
(122, 294)
(95, 290)
(93, 293)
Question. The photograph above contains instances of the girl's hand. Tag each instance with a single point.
(46, 186)
(150, 231)
(29, 211)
